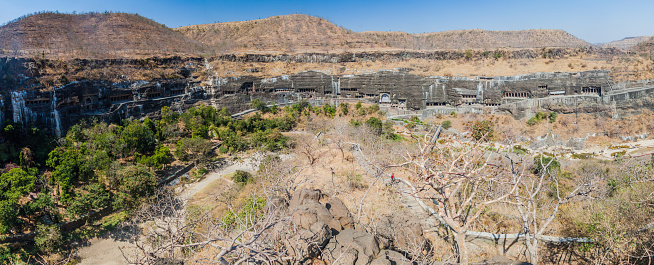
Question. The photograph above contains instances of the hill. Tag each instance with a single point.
(480, 39)
(92, 34)
(279, 33)
(307, 33)
(645, 46)
(626, 43)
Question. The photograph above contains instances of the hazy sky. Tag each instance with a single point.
(594, 21)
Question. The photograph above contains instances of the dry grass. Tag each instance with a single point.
(621, 69)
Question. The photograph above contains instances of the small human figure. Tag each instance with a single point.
(392, 178)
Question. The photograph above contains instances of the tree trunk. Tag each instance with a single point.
(532, 248)
(461, 246)
(534, 252)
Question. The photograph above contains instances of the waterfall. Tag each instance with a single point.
(444, 95)
(18, 105)
(55, 113)
(336, 86)
(480, 91)
(2, 113)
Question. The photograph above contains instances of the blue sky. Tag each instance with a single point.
(594, 21)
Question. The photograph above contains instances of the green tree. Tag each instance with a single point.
(169, 116)
(136, 183)
(373, 109)
(44, 204)
(138, 138)
(8, 216)
(345, 108)
(375, 124)
(15, 184)
(159, 159)
(357, 105)
(329, 109)
(195, 149)
(241, 177)
(48, 238)
(93, 196)
(259, 105)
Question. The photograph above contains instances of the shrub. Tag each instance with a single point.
(241, 177)
(375, 124)
(345, 108)
(546, 165)
(446, 124)
(248, 215)
(259, 105)
(374, 108)
(482, 130)
(553, 117)
(48, 238)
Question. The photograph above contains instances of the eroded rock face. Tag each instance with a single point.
(308, 243)
(311, 212)
(326, 232)
(364, 244)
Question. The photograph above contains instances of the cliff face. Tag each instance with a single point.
(25, 99)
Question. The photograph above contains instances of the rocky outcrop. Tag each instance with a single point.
(327, 231)
(402, 232)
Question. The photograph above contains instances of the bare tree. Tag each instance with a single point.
(459, 178)
(339, 134)
(537, 210)
(308, 147)
(282, 178)
(167, 228)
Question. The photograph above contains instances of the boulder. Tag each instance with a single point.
(350, 257)
(394, 257)
(340, 212)
(380, 261)
(310, 212)
(403, 231)
(365, 244)
(308, 243)
(299, 197)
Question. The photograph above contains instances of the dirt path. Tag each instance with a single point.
(105, 250)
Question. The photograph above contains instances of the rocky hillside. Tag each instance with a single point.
(92, 34)
(307, 33)
(646, 46)
(280, 33)
(101, 34)
(626, 43)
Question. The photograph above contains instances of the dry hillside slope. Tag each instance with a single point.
(93, 33)
(307, 33)
(626, 43)
(279, 33)
(645, 46)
